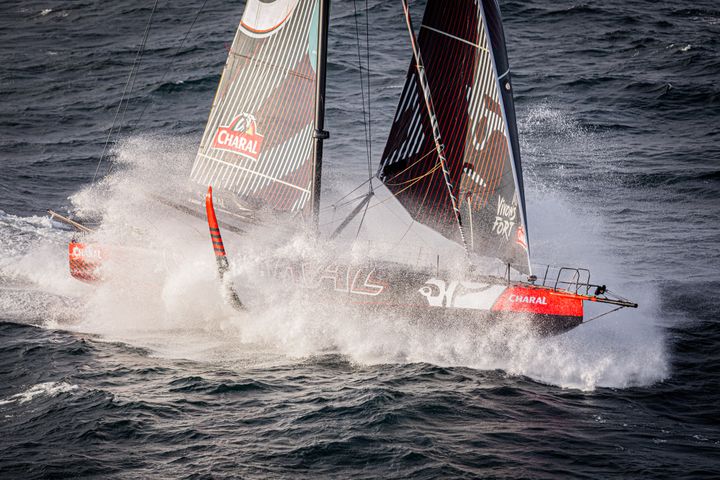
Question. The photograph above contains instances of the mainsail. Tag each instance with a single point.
(461, 44)
(258, 140)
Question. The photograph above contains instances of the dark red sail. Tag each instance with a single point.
(465, 88)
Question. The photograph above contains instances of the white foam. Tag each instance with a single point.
(162, 291)
(47, 389)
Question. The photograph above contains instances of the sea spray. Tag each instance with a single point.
(161, 290)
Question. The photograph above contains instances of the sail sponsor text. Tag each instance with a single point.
(241, 136)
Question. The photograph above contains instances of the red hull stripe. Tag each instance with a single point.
(539, 301)
(84, 261)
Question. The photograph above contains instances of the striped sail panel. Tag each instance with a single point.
(471, 114)
(258, 139)
(493, 21)
(490, 190)
(410, 165)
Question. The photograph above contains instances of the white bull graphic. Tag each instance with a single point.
(461, 294)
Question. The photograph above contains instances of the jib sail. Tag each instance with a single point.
(462, 48)
(258, 140)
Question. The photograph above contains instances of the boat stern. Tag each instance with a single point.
(551, 311)
(85, 261)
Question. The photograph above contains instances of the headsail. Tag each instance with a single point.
(478, 129)
(493, 23)
(258, 140)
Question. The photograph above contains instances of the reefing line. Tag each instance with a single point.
(223, 266)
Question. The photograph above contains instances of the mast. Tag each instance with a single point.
(320, 133)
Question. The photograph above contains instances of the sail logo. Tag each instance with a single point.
(505, 217)
(263, 18)
(520, 237)
(240, 137)
(489, 121)
(528, 299)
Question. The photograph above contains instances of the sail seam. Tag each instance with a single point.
(247, 170)
(455, 37)
(288, 71)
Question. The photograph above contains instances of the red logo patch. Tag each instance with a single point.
(240, 137)
(520, 239)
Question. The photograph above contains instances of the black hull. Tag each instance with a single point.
(385, 289)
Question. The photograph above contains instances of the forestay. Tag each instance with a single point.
(258, 140)
(461, 44)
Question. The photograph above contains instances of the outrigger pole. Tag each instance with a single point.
(67, 221)
(320, 134)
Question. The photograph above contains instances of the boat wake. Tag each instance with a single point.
(161, 292)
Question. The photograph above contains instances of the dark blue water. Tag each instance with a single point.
(619, 111)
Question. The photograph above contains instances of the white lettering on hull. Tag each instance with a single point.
(528, 299)
(355, 280)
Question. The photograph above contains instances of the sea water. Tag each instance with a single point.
(152, 374)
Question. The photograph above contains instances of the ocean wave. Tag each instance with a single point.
(46, 389)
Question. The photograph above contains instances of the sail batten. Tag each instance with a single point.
(479, 136)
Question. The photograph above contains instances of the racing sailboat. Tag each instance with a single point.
(451, 162)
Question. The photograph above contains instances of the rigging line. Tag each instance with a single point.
(422, 207)
(602, 315)
(405, 234)
(132, 85)
(404, 182)
(362, 219)
(367, 71)
(349, 218)
(412, 222)
(414, 180)
(617, 295)
(335, 206)
(131, 75)
(417, 180)
(410, 166)
(362, 91)
(346, 195)
(434, 123)
(454, 37)
(334, 209)
(174, 57)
